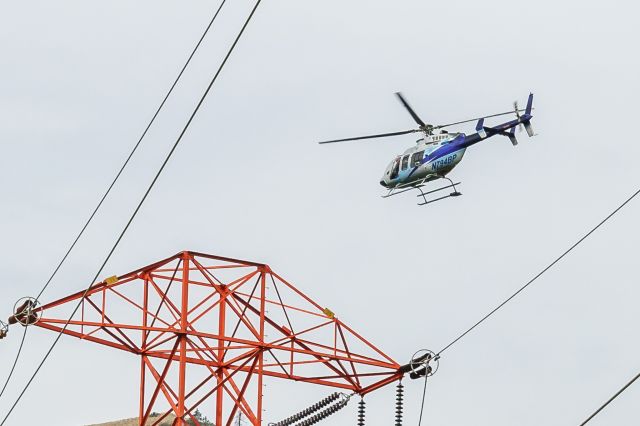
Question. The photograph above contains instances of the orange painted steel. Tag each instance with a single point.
(209, 330)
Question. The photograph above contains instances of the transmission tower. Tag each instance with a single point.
(208, 330)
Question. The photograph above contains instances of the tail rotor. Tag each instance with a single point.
(517, 111)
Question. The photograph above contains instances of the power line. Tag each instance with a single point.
(117, 177)
(15, 361)
(137, 209)
(542, 272)
(610, 399)
(424, 395)
(135, 148)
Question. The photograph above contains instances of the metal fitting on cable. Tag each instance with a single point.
(423, 363)
(399, 403)
(4, 329)
(25, 312)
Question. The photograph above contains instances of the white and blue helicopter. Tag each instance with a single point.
(436, 154)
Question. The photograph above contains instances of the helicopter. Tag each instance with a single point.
(438, 151)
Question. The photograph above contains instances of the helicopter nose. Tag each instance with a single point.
(383, 183)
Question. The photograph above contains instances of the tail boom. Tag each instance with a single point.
(505, 129)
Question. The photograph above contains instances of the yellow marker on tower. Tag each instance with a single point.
(111, 280)
(328, 313)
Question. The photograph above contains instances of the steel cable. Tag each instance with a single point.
(610, 399)
(620, 207)
(118, 174)
(15, 362)
(133, 151)
(137, 209)
(424, 394)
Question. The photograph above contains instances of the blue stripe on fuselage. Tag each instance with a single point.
(450, 147)
(446, 149)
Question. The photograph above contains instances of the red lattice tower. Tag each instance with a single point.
(208, 329)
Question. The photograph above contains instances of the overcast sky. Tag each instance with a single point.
(80, 80)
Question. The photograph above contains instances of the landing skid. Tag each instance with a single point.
(421, 184)
(455, 193)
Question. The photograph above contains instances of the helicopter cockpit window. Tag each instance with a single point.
(395, 168)
(405, 162)
(416, 158)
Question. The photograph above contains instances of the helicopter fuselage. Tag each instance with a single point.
(436, 156)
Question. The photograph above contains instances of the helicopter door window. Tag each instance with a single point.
(405, 162)
(416, 158)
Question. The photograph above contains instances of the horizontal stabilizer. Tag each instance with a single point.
(510, 134)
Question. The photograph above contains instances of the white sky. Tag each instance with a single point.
(81, 79)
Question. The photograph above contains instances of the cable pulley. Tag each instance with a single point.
(25, 312)
(424, 363)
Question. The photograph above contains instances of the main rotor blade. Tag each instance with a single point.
(411, 111)
(381, 135)
(439, 126)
